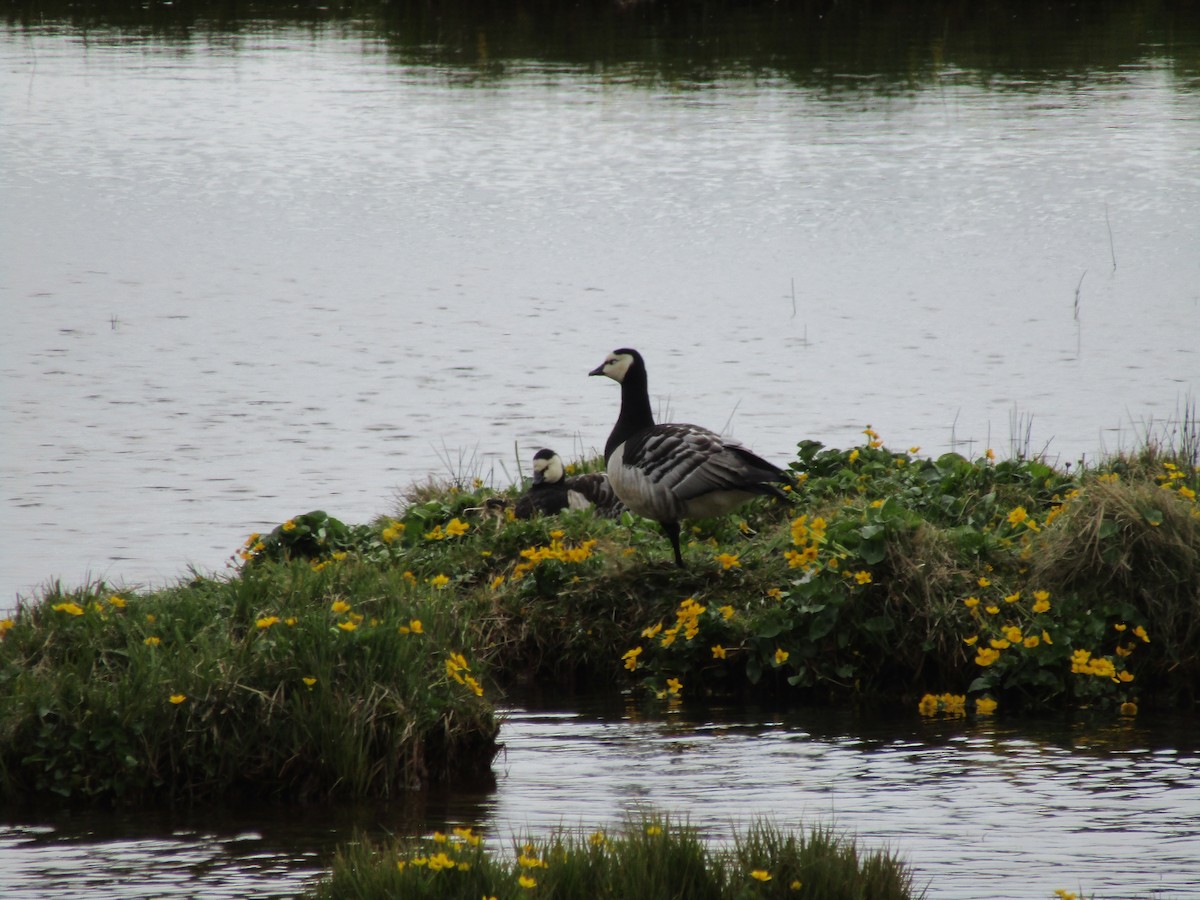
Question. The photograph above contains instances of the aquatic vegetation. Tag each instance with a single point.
(646, 857)
(366, 651)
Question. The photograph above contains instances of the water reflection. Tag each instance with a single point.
(979, 809)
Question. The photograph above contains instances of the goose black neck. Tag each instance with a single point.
(635, 412)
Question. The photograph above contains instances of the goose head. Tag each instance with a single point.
(547, 467)
(619, 363)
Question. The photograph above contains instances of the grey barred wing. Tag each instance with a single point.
(691, 461)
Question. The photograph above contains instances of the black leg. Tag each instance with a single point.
(672, 530)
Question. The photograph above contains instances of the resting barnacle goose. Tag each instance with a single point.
(553, 490)
(670, 472)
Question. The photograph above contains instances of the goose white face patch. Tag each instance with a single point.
(615, 366)
(552, 469)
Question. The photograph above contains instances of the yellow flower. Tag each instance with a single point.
(1032, 641)
(1141, 632)
(853, 455)
(457, 528)
(674, 686)
(496, 582)
(652, 631)
(177, 698)
(1013, 598)
(781, 656)
(985, 706)
(1013, 634)
(760, 875)
(1120, 626)
(928, 705)
(1129, 709)
(340, 606)
(393, 532)
(308, 680)
(1000, 643)
(416, 627)
(468, 835)
(116, 602)
(986, 656)
(862, 577)
(728, 561)
(630, 658)
(984, 581)
(267, 621)
(971, 641)
(597, 839)
(1046, 638)
(1041, 602)
(152, 641)
(439, 581)
(796, 885)
(971, 602)
(289, 525)
(347, 626)
(775, 593)
(990, 454)
(726, 612)
(653, 830)
(71, 609)
(991, 610)
(718, 651)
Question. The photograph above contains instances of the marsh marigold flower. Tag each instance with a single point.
(152, 641)
(718, 651)
(781, 656)
(760, 875)
(729, 561)
(631, 658)
(267, 621)
(177, 698)
(986, 656)
(340, 606)
(71, 609)
(439, 581)
(985, 706)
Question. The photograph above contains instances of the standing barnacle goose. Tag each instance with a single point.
(553, 491)
(672, 472)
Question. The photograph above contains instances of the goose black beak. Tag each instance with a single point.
(599, 370)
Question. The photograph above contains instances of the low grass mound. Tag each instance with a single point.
(357, 660)
(648, 857)
(283, 684)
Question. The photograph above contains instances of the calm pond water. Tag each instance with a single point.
(258, 271)
(980, 810)
(252, 269)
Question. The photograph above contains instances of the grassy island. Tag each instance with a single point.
(350, 661)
